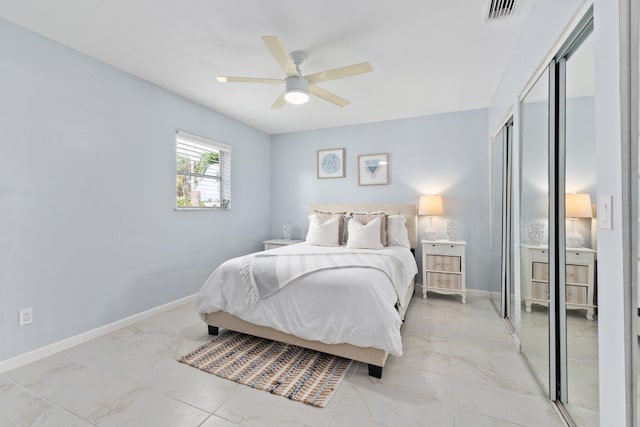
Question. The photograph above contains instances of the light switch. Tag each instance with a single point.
(605, 204)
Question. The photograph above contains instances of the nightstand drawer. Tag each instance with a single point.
(540, 290)
(540, 271)
(444, 280)
(576, 294)
(577, 257)
(444, 248)
(443, 263)
(541, 255)
(577, 274)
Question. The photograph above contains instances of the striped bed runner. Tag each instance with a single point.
(294, 372)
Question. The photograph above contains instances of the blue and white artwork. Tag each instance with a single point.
(373, 169)
(372, 166)
(331, 163)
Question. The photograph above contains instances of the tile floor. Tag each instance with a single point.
(459, 369)
(582, 349)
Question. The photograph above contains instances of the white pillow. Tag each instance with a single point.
(323, 233)
(364, 236)
(397, 234)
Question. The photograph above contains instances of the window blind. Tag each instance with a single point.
(203, 172)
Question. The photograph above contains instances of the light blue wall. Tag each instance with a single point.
(446, 154)
(88, 231)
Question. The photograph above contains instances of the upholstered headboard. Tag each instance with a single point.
(409, 211)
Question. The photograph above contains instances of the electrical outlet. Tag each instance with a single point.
(26, 316)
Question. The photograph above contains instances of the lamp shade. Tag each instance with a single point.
(578, 206)
(430, 205)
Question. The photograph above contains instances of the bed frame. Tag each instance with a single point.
(374, 357)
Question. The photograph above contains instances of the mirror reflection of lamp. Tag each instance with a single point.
(430, 206)
(576, 206)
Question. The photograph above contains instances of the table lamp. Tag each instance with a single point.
(430, 205)
(576, 206)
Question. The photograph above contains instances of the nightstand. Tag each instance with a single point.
(443, 267)
(276, 243)
(580, 278)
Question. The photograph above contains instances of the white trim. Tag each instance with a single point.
(67, 343)
(516, 182)
(212, 208)
(503, 123)
(202, 140)
(562, 39)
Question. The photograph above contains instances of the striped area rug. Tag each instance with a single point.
(294, 372)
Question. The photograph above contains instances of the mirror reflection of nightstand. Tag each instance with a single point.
(580, 277)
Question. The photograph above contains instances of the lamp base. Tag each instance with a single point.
(430, 234)
(574, 239)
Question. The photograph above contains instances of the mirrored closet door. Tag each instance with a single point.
(580, 285)
(501, 291)
(497, 182)
(534, 226)
(559, 326)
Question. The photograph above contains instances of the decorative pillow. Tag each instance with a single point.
(397, 234)
(365, 218)
(323, 233)
(364, 236)
(325, 216)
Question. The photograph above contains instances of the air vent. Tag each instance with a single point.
(500, 9)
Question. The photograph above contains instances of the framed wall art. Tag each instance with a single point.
(331, 163)
(373, 169)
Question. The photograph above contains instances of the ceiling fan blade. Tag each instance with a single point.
(279, 52)
(225, 79)
(338, 73)
(328, 96)
(279, 102)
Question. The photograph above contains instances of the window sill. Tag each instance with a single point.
(201, 209)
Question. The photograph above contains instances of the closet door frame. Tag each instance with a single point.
(507, 235)
(558, 248)
(503, 140)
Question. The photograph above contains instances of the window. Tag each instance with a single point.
(203, 173)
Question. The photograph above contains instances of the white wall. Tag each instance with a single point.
(88, 231)
(609, 50)
(442, 154)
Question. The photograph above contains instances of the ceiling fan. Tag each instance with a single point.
(298, 86)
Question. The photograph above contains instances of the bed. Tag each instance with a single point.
(347, 312)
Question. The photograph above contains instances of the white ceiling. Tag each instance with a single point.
(429, 56)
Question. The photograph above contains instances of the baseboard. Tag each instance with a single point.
(67, 343)
(516, 341)
(478, 293)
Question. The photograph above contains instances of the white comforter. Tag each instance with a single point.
(345, 305)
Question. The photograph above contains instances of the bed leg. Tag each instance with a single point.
(213, 330)
(375, 371)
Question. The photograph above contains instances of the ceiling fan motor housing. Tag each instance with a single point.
(297, 90)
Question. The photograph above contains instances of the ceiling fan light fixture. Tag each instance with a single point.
(297, 90)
